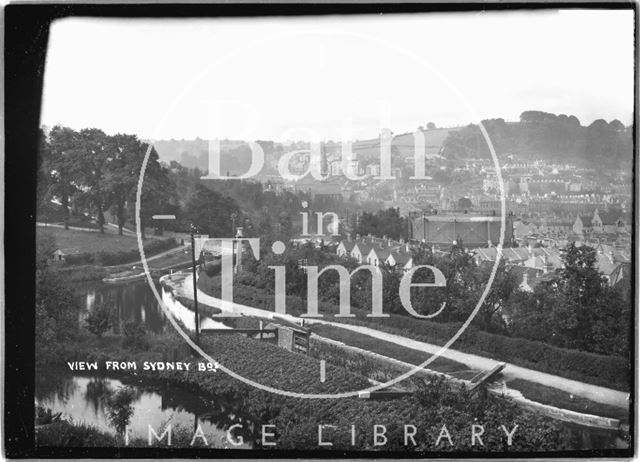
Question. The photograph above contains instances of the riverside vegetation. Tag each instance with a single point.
(63, 338)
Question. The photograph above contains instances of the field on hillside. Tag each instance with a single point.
(89, 242)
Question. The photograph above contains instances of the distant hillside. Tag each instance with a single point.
(403, 145)
(235, 154)
(189, 153)
(546, 135)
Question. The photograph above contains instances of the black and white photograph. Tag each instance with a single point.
(320, 232)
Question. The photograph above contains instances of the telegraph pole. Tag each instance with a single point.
(195, 284)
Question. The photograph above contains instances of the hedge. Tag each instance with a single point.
(607, 371)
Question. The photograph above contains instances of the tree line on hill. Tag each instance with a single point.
(547, 135)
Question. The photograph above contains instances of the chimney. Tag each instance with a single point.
(530, 249)
(544, 264)
(389, 242)
(348, 237)
(407, 247)
(358, 236)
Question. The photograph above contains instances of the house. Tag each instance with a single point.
(400, 259)
(522, 229)
(361, 250)
(607, 266)
(525, 275)
(533, 283)
(513, 256)
(620, 273)
(601, 222)
(582, 225)
(378, 255)
(609, 222)
(344, 248)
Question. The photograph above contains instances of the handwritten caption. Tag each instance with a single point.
(144, 366)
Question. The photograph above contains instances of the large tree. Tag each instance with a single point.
(126, 154)
(61, 166)
(576, 309)
(210, 212)
(91, 159)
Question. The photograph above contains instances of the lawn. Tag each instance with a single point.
(391, 350)
(93, 242)
(89, 242)
(565, 400)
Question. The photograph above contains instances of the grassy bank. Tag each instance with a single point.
(565, 400)
(388, 349)
(100, 249)
(89, 242)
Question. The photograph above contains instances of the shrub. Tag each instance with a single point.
(43, 415)
(99, 320)
(79, 259)
(134, 336)
(65, 434)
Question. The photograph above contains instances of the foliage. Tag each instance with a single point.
(548, 135)
(387, 223)
(43, 416)
(99, 319)
(90, 169)
(578, 309)
(608, 371)
(56, 307)
(134, 336)
(119, 408)
(66, 434)
(210, 212)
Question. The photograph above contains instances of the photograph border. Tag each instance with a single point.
(26, 37)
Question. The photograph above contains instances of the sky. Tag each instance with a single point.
(335, 77)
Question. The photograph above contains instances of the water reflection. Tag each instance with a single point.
(120, 407)
(113, 405)
(133, 301)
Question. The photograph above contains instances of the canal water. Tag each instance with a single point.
(132, 301)
(77, 396)
(89, 399)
